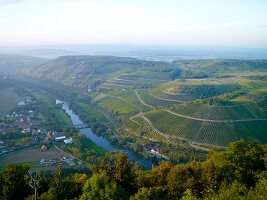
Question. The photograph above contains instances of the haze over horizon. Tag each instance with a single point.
(222, 23)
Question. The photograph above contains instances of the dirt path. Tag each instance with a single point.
(123, 86)
(152, 126)
(213, 120)
(125, 80)
(139, 98)
(190, 143)
(172, 100)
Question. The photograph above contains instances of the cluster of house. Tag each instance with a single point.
(21, 120)
(59, 137)
(151, 149)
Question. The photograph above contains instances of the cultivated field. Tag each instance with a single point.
(214, 132)
(30, 155)
(215, 112)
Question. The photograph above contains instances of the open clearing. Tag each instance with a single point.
(30, 155)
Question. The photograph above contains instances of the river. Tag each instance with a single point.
(102, 141)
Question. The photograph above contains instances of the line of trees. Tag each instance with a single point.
(238, 173)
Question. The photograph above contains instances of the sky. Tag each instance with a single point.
(229, 23)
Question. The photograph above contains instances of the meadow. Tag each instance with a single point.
(51, 114)
(31, 156)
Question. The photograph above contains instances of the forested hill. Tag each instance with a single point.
(18, 63)
(239, 173)
(82, 69)
(222, 65)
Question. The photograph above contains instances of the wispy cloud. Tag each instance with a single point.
(6, 2)
(216, 26)
(11, 2)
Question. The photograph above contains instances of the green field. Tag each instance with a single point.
(144, 74)
(30, 156)
(130, 96)
(8, 100)
(117, 105)
(90, 110)
(159, 92)
(50, 112)
(150, 100)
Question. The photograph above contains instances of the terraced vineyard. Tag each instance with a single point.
(171, 96)
(178, 100)
(205, 111)
(206, 132)
(133, 81)
(141, 74)
(150, 100)
(172, 125)
(182, 115)
(113, 104)
(130, 96)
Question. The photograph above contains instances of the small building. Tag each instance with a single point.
(155, 150)
(60, 138)
(68, 141)
(21, 104)
(44, 148)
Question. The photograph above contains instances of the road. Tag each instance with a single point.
(172, 100)
(139, 98)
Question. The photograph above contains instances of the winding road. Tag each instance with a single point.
(172, 100)
(139, 98)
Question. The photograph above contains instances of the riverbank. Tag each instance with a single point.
(102, 141)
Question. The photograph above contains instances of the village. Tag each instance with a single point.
(22, 130)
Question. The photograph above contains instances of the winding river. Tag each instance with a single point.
(102, 141)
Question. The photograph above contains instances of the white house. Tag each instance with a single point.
(155, 150)
(68, 141)
(21, 104)
(60, 138)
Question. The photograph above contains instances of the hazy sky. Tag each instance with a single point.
(239, 23)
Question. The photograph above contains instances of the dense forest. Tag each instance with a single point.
(237, 173)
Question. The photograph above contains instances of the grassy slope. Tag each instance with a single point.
(113, 104)
(89, 110)
(59, 116)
